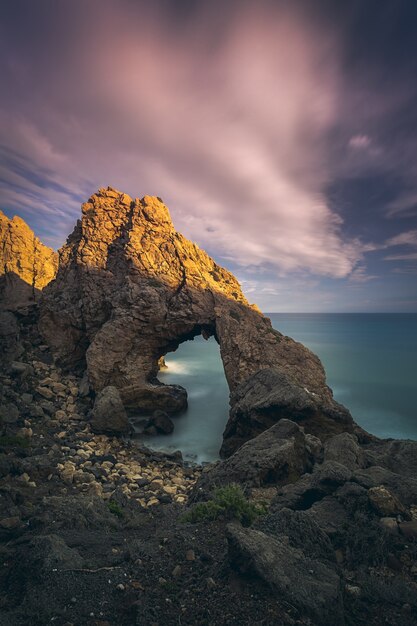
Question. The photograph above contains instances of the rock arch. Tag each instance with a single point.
(130, 288)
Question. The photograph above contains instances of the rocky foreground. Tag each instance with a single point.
(309, 520)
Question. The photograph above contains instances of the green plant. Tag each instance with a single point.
(10, 441)
(115, 508)
(228, 502)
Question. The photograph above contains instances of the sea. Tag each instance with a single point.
(370, 362)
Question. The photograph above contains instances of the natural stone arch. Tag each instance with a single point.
(130, 288)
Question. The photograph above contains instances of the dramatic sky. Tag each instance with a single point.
(281, 134)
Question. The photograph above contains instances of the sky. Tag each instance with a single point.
(282, 135)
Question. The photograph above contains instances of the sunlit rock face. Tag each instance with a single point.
(130, 288)
(26, 264)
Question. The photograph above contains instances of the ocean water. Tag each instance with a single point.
(370, 362)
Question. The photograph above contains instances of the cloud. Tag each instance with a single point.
(228, 120)
(359, 142)
(408, 238)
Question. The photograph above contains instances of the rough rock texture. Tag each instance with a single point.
(309, 585)
(108, 414)
(277, 456)
(130, 289)
(26, 264)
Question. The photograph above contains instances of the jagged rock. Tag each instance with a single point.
(161, 422)
(130, 289)
(276, 456)
(385, 503)
(268, 396)
(26, 264)
(108, 414)
(344, 449)
(311, 488)
(302, 531)
(403, 487)
(311, 586)
(399, 456)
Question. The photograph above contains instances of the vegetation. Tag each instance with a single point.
(115, 508)
(228, 502)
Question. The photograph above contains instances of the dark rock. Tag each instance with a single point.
(50, 552)
(108, 414)
(161, 422)
(385, 503)
(403, 487)
(344, 449)
(9, 413)
(398, 456)
(311, 488)
(276, 456)
(302, 530)
(270, 395)
(170, 399)
(311, 586)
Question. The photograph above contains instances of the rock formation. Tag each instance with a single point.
(130, 289)
(26, 264)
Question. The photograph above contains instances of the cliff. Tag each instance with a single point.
(26, 264)
(130, 288)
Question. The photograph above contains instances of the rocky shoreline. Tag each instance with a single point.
(308, 520)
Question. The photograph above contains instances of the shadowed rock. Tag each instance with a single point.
(26, 264)
(130, 289)
(308, 584)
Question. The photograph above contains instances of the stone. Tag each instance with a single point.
(10, 523)
(404, 487)
(161, 422)
(270, 395)
(130, 289)
(344, 449)
(45, 392)
(311, 586)
(385, 503)
(18, 368)
(26, 264)
(276, 456)
(302, 531)
(9, 413)
(311, 488)
(108, 414)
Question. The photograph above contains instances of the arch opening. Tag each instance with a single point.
(197, 366)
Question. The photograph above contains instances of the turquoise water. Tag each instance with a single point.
(370, 361)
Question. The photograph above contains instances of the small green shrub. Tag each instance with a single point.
(115, 508)
(229, 502)
(11, 441)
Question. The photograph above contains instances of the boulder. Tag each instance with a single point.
(161, 422)
(270, 395)
(302, 531)
(275, 457)
(309, 585)
(403, 487)
(311, 488)
(108, 414)
(344, 449)
(386, 504)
